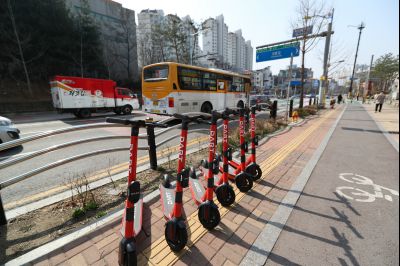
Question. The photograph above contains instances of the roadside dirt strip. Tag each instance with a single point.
(159, 253)
(105, 173)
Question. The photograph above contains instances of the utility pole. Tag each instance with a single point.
(361, 27)
(369, 73)
(288, 87)
(324, 81)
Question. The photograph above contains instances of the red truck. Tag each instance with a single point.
(82, 96)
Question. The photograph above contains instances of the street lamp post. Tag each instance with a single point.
(360, 27)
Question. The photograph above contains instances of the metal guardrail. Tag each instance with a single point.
(53, 148)
(18, 142)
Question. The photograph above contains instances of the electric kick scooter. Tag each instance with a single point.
(236, 172)
(171, 196)
(224, 191)
(132, 217)
(250, 167)
(208, 212)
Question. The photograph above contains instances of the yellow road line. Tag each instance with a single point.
(159, 252)
(102, 174)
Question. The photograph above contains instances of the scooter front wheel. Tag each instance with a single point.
(254, 170)
(131, 259)
(225, 195)
(176, 234)
(244, 182)
(209, 215)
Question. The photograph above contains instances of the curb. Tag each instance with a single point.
(269, 236)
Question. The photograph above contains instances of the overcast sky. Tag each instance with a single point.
(268, 21)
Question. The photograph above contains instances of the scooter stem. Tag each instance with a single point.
(129, 206)
(242, 141)
(177, 211)
(211, 155)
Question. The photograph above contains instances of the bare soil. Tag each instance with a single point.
(41, 226)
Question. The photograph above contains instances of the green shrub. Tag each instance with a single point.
(78, 213)
(92, 205)
(302, 112)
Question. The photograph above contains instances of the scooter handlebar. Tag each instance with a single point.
(137, 123)
(193, 117)
(119, 121)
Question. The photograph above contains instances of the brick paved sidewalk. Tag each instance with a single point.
(282, 159)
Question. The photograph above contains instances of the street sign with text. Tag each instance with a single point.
(278, 52)
(295, 83)
(302, 31)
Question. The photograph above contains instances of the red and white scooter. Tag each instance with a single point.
(132, 217)
(171, 195)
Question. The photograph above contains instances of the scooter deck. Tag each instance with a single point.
(197, 189)
(137, 217)
(204, 171)
(231, 169)
(167, 199)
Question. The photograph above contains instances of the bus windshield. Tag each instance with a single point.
(155, 73)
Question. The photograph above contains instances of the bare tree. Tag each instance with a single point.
(309, 14)
(177, 39)
(21, 52)
(129, 41)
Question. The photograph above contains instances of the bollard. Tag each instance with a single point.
(274, 110)
(290, 108)
(151, 140)
(3, 220)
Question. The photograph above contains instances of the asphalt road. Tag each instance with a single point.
(348, 213)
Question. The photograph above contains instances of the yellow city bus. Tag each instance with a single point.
(169, 88)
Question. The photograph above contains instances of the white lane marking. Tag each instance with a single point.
(362, 195)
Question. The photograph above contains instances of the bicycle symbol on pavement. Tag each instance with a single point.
(360, 195)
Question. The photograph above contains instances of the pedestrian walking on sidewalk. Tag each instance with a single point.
(379, 100)
(339, 98)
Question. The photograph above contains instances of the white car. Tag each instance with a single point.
(8, 131)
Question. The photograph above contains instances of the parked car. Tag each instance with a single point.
(8, 131)
(259, 99)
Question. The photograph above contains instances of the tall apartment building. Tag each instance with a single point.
(149, 50)
(249, 56)
(229, 49)
(117, 28)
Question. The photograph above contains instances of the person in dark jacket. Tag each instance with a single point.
(339, 98)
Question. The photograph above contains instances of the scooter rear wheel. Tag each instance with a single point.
(209, 215)
(176, 234)
(254, 170)
(225, 195)
(244, 182)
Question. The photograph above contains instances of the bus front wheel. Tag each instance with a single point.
(206, 108)
(240, 104)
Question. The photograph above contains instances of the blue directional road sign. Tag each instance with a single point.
(278, 52)
(295, 83)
